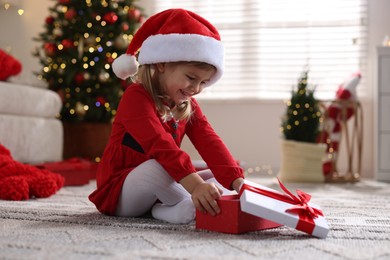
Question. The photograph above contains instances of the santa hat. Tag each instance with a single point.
(171, 36)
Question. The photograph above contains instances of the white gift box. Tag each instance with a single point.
(275, 206)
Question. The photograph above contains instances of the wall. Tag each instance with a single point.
(250, 128)
(17, 33)
(379, 26)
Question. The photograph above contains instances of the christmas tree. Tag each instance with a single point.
(303, 115)
(80, 42)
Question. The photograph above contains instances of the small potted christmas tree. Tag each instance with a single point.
(302, 156)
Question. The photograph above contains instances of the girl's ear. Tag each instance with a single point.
(160, 67)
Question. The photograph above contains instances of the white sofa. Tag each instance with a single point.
(28, 124)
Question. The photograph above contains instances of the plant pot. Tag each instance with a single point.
(85, 140)
(301, 161)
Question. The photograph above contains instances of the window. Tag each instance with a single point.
(270, 42)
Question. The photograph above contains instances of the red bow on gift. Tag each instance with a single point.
(301, 203)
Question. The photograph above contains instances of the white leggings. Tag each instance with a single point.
(148, 183)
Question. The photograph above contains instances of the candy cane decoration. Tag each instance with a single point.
(332, 123)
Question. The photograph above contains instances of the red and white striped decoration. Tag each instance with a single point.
(333, 120)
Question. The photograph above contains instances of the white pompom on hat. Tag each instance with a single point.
(171, 36)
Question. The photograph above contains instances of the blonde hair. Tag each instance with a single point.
(182, 111)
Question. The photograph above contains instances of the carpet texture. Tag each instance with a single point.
(67, 226)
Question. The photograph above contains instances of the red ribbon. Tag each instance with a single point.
(300, 206)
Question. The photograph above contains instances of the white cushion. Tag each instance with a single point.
(32, 139)
(16, 99)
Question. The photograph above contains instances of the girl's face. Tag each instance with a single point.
(180, 81)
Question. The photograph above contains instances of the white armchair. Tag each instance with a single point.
(28, 124)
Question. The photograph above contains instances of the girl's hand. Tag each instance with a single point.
(237, 184)
(204, 197)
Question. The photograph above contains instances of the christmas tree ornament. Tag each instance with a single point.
(70, 14)
(100, 101)
(64, 2)
(50, 49)
(79, 78)
(110, 17)
(49, 20)
(57, 32)
(67, 43)
(125, 27)
(134, 14)
(109, 60)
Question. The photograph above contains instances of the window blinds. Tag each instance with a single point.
(270, 42)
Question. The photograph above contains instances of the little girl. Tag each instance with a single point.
(143, 168)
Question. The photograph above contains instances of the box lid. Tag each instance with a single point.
(72, 164)
(283, 208)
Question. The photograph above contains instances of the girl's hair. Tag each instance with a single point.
(182, 111)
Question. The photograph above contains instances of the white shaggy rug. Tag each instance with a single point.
(67, 226)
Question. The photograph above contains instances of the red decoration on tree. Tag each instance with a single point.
(101, 100)
(110, 60)
(70, 14)
(64, 2)
(125, 26)
(50, 48)
(134, 14)
(110, 17)
(79, 78)
(49, 20)
(67, 43)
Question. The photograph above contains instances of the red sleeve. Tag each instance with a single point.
(138, 114)
(212, 149)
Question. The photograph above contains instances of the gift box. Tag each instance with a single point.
(231, 219)
(283, 208)
(76, 171)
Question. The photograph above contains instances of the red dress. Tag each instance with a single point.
(138, 134)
